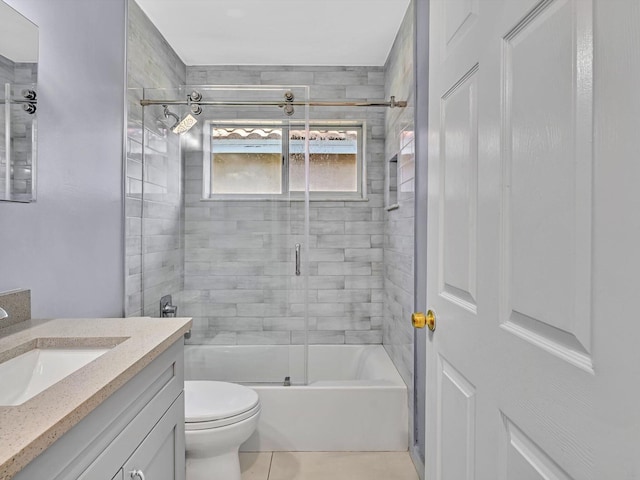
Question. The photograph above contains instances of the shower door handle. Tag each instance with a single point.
(297, 259)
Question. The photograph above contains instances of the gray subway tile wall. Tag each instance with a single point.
(229, 264)
(153, 192)
(399, 224)
(242, 252)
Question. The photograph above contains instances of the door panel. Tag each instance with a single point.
(547, 180)
(459, 166)
(528, 369)
(456, 429)
(524, 460)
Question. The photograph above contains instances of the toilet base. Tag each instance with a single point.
(212, 453)
(225, 466)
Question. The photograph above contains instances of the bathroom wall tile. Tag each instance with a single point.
(344, 268)
(319, 337)
(319, 309)
(363, 254)
(236, 296)
(286, 323)
(286, 78)
(335, 256)
(210, 337)
(205, 308)
(363, 337)
(327, 282)
(260, 310)
(348, 323)
(344, 241)
(398, 242)
(364, 282)
(333, 227)
(368, 227)
(371, 92)
(366, 308)
(346, 78)
(291, 295)
(326, 255)
(235, 324)
(347, 214)
(344, 296)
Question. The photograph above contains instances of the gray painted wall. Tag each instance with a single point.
(67, 247)
(154, 165)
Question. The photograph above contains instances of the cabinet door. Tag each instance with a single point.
(161, 455)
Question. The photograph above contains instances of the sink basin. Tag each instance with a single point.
(24, 376)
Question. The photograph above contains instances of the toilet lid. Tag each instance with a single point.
(206, 401)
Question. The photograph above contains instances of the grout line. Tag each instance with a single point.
(270, 463)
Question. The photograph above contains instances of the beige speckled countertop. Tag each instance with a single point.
(28, 429)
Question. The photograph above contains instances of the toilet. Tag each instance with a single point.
(219, 417)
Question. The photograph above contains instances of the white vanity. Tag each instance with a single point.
(120, 416)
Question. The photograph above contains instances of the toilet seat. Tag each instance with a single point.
(210, 404)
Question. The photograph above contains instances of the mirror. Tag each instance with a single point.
(18, 105)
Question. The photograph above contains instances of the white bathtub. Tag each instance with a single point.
(355, 399)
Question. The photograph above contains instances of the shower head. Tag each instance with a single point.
(180, 126)
(185, 124)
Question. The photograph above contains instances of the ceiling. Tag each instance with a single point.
(278, 32)
(18, 36)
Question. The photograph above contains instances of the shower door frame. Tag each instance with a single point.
(301, 120)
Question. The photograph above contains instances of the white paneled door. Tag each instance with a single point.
(533, 245)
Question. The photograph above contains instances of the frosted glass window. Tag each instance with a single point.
(246, 161)
(333, 160)
(247, 173)
(257, 161)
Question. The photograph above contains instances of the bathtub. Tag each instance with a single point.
(355, 399)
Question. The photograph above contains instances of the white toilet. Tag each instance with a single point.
(219, 417)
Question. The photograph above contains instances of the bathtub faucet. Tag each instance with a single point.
(166, 308)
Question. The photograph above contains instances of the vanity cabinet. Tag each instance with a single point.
(138, 428)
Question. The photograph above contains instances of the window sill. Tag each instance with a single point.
(280, 198)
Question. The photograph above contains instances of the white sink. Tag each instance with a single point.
(26, 375)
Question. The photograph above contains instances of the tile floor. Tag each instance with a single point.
(327, 465)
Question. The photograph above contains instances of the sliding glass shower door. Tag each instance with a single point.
(223, 231)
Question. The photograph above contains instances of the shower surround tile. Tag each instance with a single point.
(154, 248)
(398, 240)
(234, 245)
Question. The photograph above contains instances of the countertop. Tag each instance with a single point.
(28, 429)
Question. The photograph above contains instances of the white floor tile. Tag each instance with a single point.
(255, 466)
(342, 466)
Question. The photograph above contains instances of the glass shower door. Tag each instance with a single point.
(230, 245)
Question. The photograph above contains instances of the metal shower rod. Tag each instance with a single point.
(392, 103)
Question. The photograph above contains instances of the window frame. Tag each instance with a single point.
(286, 195)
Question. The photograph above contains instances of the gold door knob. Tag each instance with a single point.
(431, 320)
(420, 320)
